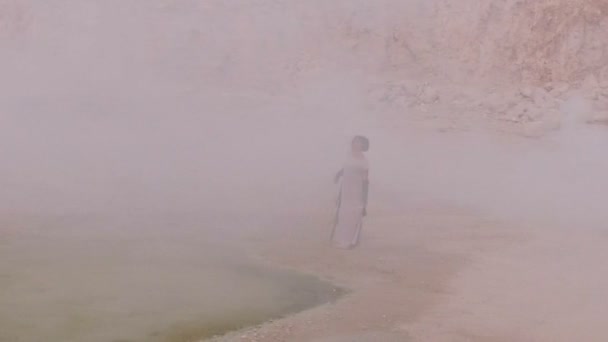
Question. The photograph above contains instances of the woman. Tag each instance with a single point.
(352, 201)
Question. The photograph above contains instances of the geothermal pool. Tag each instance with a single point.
(101, 281)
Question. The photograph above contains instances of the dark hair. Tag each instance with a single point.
(364, 141)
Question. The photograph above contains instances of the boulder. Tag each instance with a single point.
(429, 95)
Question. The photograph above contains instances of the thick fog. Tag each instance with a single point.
(160, 106)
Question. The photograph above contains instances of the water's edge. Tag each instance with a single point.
(307, 293)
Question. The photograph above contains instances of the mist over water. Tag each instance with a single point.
(121, 109)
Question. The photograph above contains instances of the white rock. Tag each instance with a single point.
(403, 101)
(590, 82)
(526, 92)
(600, 117)
(519, 113)
(536, 129)
(541, 97)
(429, 95)
(494, 102)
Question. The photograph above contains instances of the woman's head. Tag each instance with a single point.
(360, 144)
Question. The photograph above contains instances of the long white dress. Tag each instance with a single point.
(349, 216)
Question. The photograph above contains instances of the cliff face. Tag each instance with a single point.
(533, 41)
(414, 51)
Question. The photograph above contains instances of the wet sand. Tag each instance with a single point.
(445, 275)
(402, 271)
(549, 287)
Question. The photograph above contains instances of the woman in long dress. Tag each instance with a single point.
(352, 200)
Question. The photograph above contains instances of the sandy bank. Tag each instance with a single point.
(401, 271)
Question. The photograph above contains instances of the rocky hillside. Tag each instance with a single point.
(511, 60)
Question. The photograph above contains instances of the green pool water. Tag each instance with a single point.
(118, 285)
